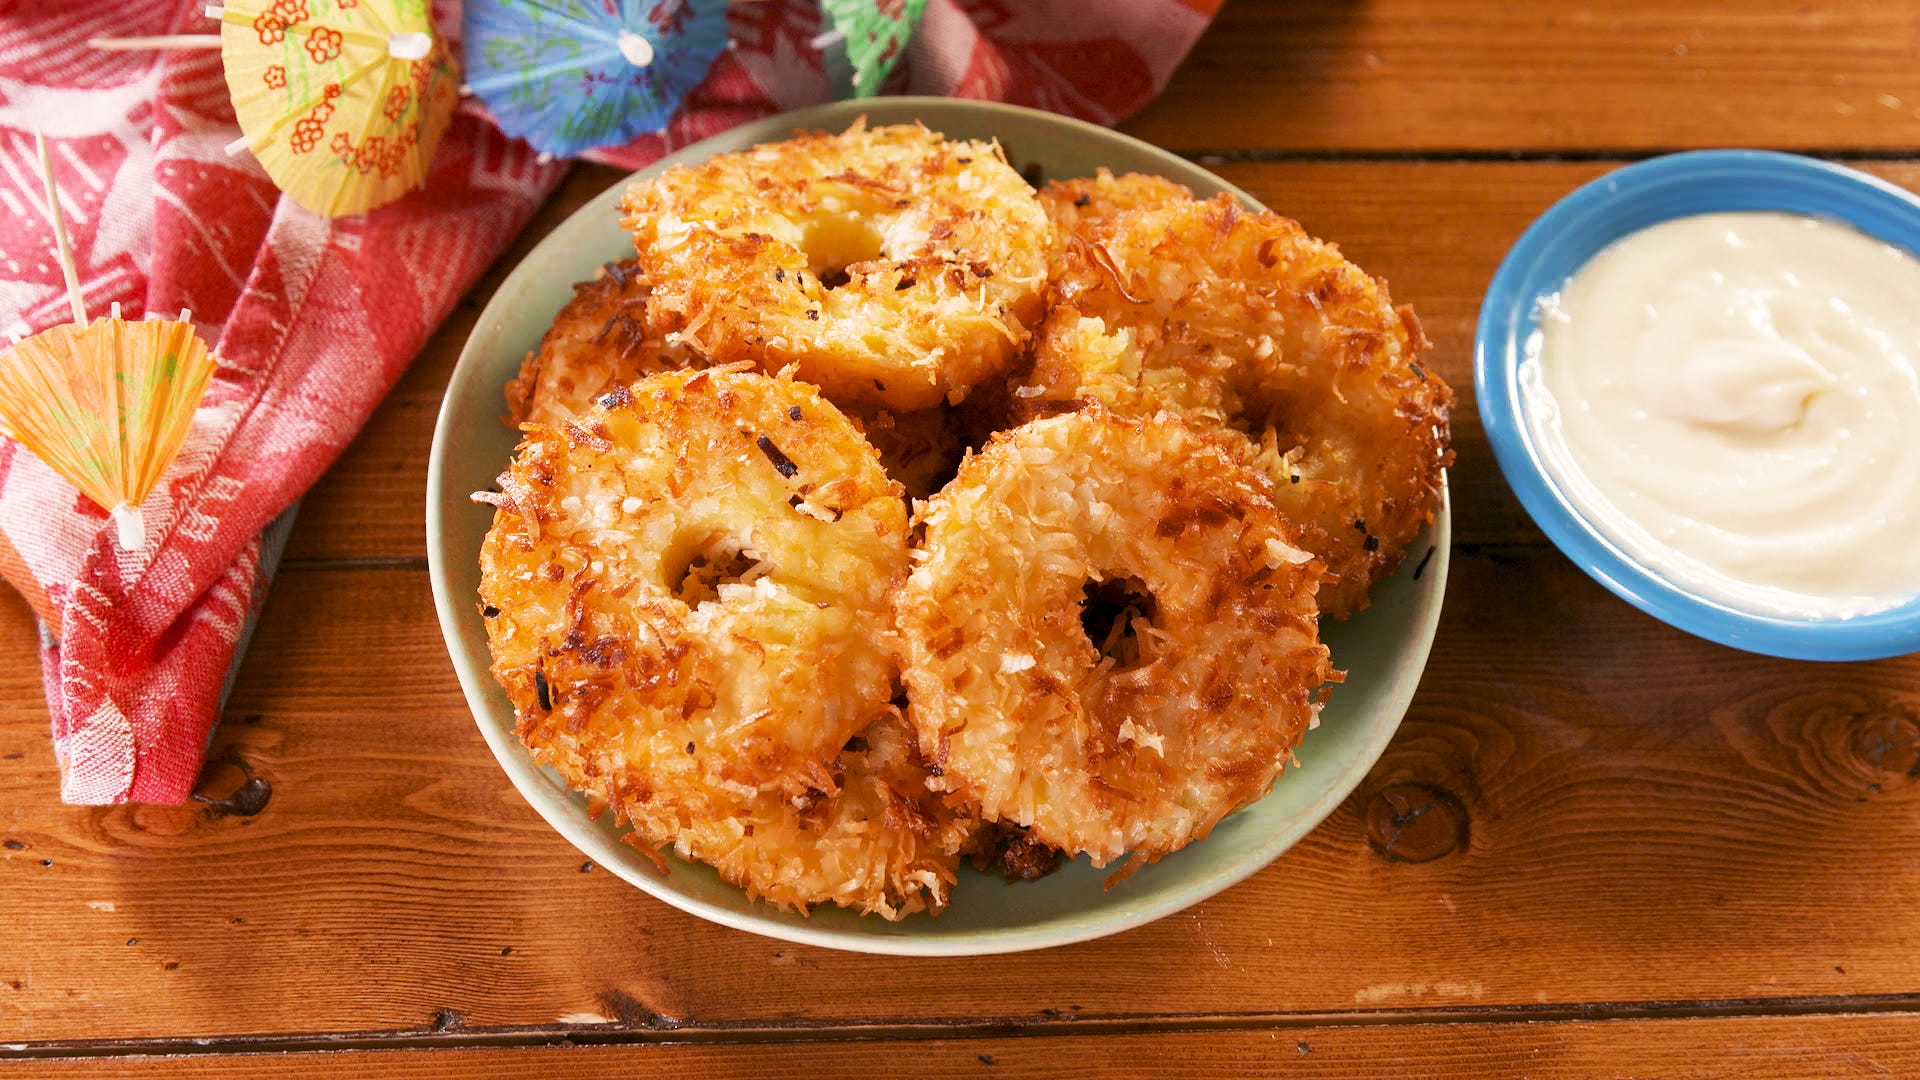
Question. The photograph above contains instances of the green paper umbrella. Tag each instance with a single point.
(876, 33)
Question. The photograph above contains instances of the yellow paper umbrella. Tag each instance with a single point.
(343, 101)
(105, 403)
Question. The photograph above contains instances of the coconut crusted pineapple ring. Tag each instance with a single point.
(1244, 323)
(596, 661)
(687, 592)
(1110, 635)
(896, 268)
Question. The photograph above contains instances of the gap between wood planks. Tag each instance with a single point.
(448, 1032)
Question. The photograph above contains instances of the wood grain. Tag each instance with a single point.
(1671, 858)
(1616, 812)
(1768, 1048)
(1436, 231)
(1446, 76)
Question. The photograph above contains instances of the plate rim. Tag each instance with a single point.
(590, 838)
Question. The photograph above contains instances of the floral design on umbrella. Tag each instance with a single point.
(571, 75)
(343, 101)
(876, 33)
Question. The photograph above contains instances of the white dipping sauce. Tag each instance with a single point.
(1732, 399)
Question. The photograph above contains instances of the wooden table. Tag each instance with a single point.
(1597, 847)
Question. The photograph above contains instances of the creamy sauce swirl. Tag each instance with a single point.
(1732, 399)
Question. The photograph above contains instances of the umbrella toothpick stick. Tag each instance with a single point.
(106, 403)
(62, 250)
(160, 41)
(155, 41)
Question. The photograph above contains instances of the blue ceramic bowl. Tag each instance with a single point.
(1558, 244)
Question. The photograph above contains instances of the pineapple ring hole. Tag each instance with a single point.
(1114, 612)
(696, 568)
(833, 242)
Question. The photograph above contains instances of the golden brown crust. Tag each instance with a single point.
(1079, 207)
(1188, 713)
(881, 843)
(942, 246)
(606, 561)
(1243, 322)
(599, 340)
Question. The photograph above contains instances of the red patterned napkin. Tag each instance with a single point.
(313, 319)
(1099, 60)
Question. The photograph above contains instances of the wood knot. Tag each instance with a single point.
(229, 788)
(1888, 744)
(634, 1013)
(1414, 823)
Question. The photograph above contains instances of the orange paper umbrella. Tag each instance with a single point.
(343, 101)
(105, 403)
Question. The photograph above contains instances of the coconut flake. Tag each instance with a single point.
(1141, 737)
(817, 513)
(1281, 553)
(1015, 662)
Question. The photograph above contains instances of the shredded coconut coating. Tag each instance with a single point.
(941, 245)
(687, 597)
(598, 341)
(1244, 323)
(882, 844)
(1077, 207)
(1026, 718)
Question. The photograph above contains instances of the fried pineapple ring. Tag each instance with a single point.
(687, 589)
(895, 268)
(715, 714)
(1135, 721)
(599, 340)
(1242, 321)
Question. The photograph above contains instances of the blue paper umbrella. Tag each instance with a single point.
(570, 75)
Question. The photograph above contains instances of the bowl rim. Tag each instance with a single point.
(1790, 183)
(589, 838)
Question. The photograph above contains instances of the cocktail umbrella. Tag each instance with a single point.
(105, 403)
(343, 101)
(571, 75)
(876, 33)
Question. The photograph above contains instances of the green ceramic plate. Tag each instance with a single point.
(1383, 649)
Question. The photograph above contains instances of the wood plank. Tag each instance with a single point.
(1436, 231)
(1506, 75)
(1617, 813)
(1760, 1048)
